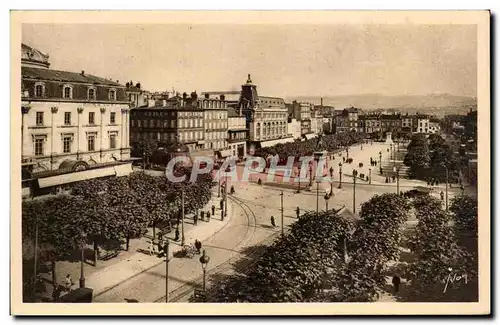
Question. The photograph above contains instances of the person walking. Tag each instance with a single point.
(213, 209)
(208, 216)
(298, 212)
(232, 189)
(68, 282)
(442, 195)
(197, 245)
(195, 218)
(396, 281)
(273, 222)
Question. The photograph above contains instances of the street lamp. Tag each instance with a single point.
(380, 162)
(326, 197)
(310, 175)
(82, 275)
(396, 170)
(340, 174)
(370, 176)
(331, 179)
(354, 174)
(204, 259)
(317, 194)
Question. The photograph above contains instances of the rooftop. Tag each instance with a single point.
(65, 76)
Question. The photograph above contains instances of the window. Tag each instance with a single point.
(91, 93)
(67, 92)
(39, 90)
(112, 141)
(39, 118)
(39, 142)
(67, 144)
(91, 118)
(67, 118)
(112, 94)
(91, 143)
(112, 117)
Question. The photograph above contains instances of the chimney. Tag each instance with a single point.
(207, 96)
(83, 73)
(194, 95)
(223, 97)
(151, 102)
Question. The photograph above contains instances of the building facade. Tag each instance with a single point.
(266, 117)
(70, 117)
(237, 134)
(215, 115)
(347, 120)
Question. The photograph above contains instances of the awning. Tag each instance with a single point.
(76, 177)
(123, 170)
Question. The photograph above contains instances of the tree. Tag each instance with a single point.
(375, 242)
(417, 156)
(296, 265)
(145, 148)
(435, 248)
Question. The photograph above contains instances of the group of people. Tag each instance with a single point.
(373, 162)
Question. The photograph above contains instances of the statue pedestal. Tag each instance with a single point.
(388, 139)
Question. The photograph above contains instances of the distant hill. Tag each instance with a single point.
(378, 101)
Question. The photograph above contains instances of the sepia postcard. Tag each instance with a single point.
(250, 163)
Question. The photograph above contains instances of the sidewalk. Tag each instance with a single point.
(140, 260)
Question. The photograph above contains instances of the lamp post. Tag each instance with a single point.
(204, 259)
(298, 190)
(396, 170)
(82, 275)
(167, 260)
(340, 174)
(354, 174)
(310, 175)
(331, 180)
(327, 197)
(370, 176)
(317, 195)
(380, 161)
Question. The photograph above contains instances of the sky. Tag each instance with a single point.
(283, 60)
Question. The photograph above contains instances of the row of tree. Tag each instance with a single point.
(100, 211)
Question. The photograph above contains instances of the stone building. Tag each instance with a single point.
(266, 117)
(237, 134)
(70, 121)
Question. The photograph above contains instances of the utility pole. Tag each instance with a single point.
(370, 176)
(167, 260)
(225, 200)
(182, 239)
(282, 219)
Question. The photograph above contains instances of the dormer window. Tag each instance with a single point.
(91, 94)
(67, 91)
(39, 90)
(112, 94)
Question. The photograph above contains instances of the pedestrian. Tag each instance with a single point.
(68, 282)
(259, 181)
(343, 159)
(396, 281)
(197, 245)
(442, 195)
(177, 234)
(232, 189)
(151, 248)
(208, 216)
(195, 218)
(393, 178)
(202, 215)
(213, 209)
(387, 179)
(160, 236)
(298, 212)
(273, 223)
(221, 204)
